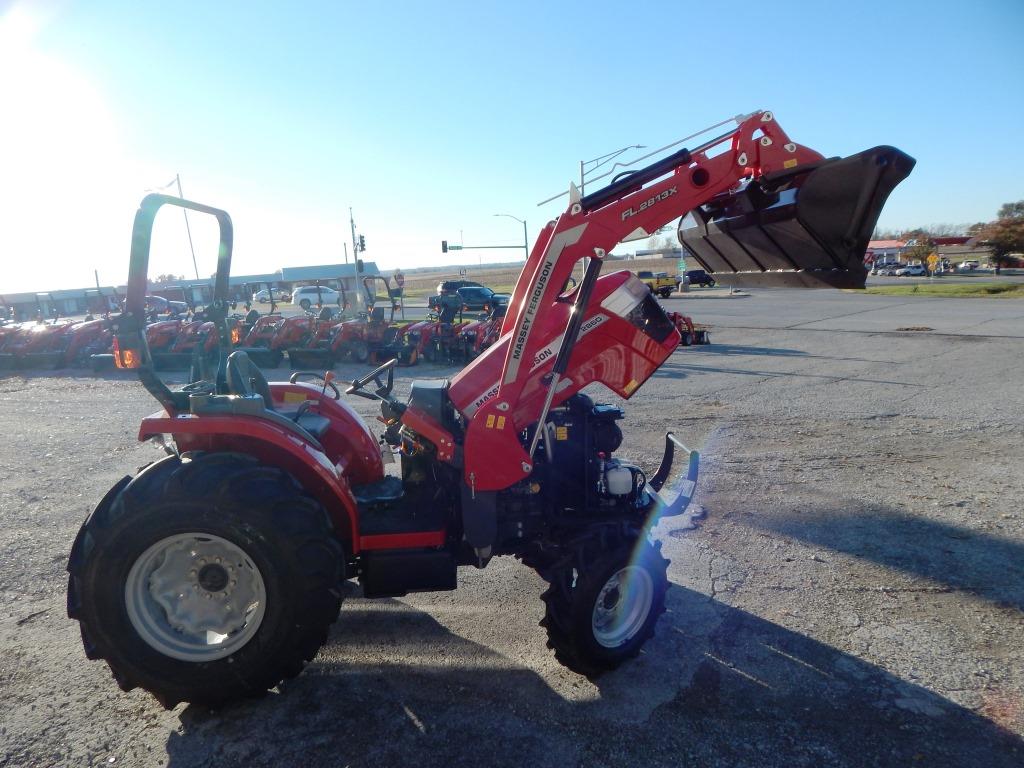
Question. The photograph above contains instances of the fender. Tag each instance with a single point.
(272, 445)
(349, 444)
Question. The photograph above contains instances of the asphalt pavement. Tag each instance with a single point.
(855, 596)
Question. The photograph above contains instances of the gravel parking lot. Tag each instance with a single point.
(854, 597)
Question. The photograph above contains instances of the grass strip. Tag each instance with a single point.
(973, 291)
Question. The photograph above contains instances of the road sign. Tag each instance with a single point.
(933, 260)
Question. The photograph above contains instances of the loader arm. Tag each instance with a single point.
(633, 206)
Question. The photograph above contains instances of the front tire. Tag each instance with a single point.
(206, 580)
(603, 607)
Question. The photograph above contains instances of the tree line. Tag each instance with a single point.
(1004, 234)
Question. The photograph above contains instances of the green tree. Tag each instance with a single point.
(1005, 235)
(921, 248)
(664, 244)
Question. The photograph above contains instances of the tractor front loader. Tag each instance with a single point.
(215, 572)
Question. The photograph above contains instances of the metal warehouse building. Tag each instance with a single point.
(80, 301)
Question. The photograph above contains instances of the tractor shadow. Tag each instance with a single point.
(717, 685)
(741, 349)
(960, 558)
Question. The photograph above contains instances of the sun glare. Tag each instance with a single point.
(62, 165)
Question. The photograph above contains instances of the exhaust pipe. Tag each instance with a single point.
(806, 227)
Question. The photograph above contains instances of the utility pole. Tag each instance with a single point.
(177, 179)
(355, 256)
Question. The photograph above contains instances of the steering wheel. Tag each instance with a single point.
(383, 390)
(328, 383)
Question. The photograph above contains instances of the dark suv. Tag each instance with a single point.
(451, 286)
(478, 297)
(700, 277)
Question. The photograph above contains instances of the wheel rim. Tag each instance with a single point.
(195, 597)
(622, 606)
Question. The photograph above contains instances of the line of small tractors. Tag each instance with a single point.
(313, 340)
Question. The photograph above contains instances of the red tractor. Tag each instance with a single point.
(436, 339)
(689, 332)
(475, 337)
(280, 334)
(366, 338)
(318, 333)
(216, 572)
(37, 344)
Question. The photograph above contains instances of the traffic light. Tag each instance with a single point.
(444, 246)
(362, 243)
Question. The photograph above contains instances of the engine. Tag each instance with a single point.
(575, 475)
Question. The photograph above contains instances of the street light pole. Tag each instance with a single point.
(526, 238)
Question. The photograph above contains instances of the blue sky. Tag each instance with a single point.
(428, 118)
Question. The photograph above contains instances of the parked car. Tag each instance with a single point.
(158, 305)
(968, 266)
(478, 297)
(468, 297)
(912, 270)
(660, 283)
(700, 277)
(307, 296)
(889, 270)
(263, 296)
(451, 286)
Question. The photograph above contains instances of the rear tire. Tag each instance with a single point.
(666, 293)
(206, 580)
(360, 351)
(603, 607)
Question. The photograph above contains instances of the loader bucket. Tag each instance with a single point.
(807, 227)
(47, 361)
(300, 359)
(100, 363)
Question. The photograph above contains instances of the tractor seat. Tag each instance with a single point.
(313, 423)
(245, 378)
(377, 315)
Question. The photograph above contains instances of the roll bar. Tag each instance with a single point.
(130, 326)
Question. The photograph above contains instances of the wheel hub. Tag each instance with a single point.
(622, 606)
(213, 577)
(195, 597)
